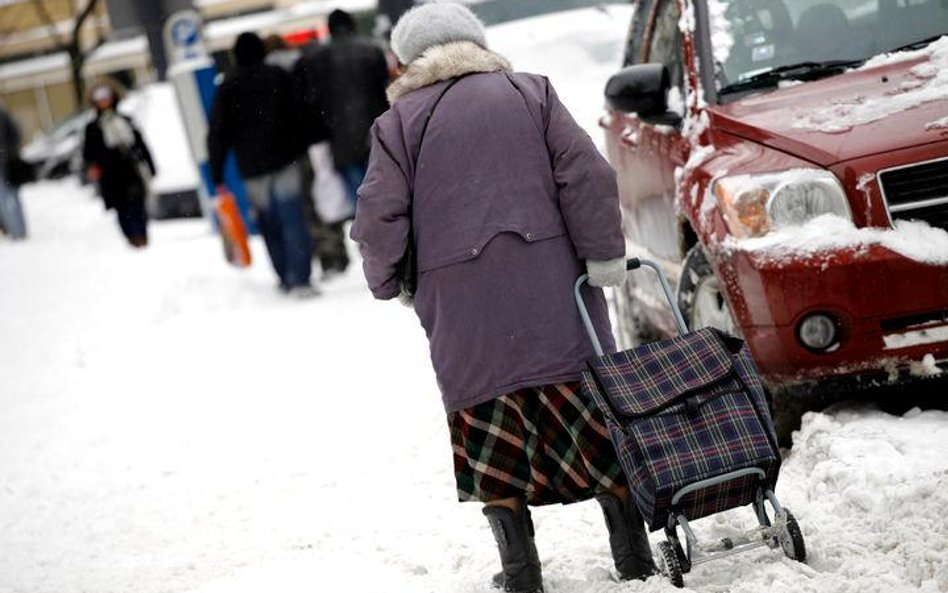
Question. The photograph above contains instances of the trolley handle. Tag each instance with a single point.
(630, 265)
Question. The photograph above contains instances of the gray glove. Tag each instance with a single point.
(609, 272)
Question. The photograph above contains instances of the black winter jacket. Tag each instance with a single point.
(256, 113)
(121, 181)
(9, 143)
(344, 83)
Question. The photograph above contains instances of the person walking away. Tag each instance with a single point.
(12, 220)
(345, 83)
(119, 162)
(331, 208)
(327, 236)
(508, 201)
(256, 113)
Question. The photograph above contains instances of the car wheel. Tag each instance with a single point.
(700, 297)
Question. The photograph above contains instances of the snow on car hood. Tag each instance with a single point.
(915, 240)
(894, 101)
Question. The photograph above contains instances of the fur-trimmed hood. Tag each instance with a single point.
(443, 62)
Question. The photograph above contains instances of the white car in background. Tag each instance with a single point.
(59, 153)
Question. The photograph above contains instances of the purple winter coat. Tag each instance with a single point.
(510, 196)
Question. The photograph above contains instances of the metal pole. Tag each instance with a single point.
(151, 16)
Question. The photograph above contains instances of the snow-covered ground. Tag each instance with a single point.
(170, 424)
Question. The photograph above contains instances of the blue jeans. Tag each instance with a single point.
(11, 213)
(277, 199)
(353, 175)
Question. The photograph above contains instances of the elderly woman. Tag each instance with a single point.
(507, 201)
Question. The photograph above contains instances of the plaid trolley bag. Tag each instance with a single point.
(692, 429)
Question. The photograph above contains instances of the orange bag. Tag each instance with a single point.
(233, 230)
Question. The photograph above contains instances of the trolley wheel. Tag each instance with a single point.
(683, 560)
(668, 564)
(671, 535)
(790, 536)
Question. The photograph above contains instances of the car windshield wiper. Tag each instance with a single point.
(798, 71)
(917, 44)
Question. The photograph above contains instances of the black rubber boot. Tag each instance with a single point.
(513, 533)
(627, 538)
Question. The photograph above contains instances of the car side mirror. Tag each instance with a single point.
(642, 89)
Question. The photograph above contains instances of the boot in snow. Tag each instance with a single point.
(627, 538)
(513, 533)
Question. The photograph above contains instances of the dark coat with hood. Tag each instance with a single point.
(122, 178)
(256, 113)
(510, 196)
(344, 84)
(9, 144)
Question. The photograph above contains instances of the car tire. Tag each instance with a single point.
(792, 402)
(700, 298)
(787, 409)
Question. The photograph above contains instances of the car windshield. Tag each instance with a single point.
(798, 37)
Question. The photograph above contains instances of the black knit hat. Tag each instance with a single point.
(249, 50)
(341, 22)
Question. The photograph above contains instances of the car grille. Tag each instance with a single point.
(896, 324)
(917, 192)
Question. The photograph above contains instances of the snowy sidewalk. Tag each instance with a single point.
(169, 424)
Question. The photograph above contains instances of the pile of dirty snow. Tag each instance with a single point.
(870, 492)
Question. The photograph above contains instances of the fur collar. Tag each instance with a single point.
(442, 62)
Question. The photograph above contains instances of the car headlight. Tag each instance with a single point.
(756, 204)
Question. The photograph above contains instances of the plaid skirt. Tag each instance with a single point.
(547, 444)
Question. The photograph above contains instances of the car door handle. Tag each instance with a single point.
(629, 137)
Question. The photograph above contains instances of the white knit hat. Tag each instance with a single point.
(435, 23)
(102, 93)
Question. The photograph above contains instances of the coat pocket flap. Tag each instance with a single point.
(455, 252)
(652, 377)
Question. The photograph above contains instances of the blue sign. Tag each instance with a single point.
(185, 33)
(183, 37)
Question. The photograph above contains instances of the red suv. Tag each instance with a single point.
(787, 162)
